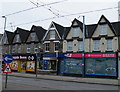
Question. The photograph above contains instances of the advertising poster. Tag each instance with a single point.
(14, 65)
(30, 66)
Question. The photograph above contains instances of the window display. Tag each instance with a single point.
(14, 65)
(30, 66)
(101, 66)
(71, 65)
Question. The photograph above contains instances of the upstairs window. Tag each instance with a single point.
(109, 44)
(80, 45)
(32, 36)
(56, 46)
(47, 48)
(103, 29)
(19, 48)
(52, 34)
(69, 46)
(36, 48)
(28, 48)
(96, 45)
(5, 40)
(75, 32)
(17, 38)
(13, 49)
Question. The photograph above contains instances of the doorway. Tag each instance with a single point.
(23, 66)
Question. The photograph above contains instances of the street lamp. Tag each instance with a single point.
(4, 22)
(83, 46)
(3, 45)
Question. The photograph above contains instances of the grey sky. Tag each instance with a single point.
(62, 8)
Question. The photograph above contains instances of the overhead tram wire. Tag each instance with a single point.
(66, 16)
(49, 9)
(35, 7)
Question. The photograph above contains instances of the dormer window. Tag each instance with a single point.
(103, 29)
(32, 36)
(75, 32)
(5, 40)
(17, 38)
(52, 34)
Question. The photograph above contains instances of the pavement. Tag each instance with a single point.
(102, 81)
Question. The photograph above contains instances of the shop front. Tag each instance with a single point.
(71, 63)
(23, 63)
(94, 64)
(101, 64)
(49, 63)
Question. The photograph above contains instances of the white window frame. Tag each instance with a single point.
(13, 48)
(19, 48)
(33, 35)
(52, 35)
(36, 48)
(56, 46)
(80, 45)
(28, 48)
(103, 29)
(69, 46)
(75, 32)
(5, 40)
(47, 50)
(109, 45)
(96, 46)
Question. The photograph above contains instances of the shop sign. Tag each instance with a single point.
(20, 57)
(73, 55)
(31, 58)
(100, 55)
(49, 55)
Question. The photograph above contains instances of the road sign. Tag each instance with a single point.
(8, 59)
(7, 69)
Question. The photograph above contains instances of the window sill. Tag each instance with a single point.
(70, 51)
(56, 51)
(47, 51)
(52, 38)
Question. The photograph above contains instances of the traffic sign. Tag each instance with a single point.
(8, 59)
(7, 69)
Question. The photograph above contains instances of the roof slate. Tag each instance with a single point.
(23, 34)
(10, 36)
(40, 32)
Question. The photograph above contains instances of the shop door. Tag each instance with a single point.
(23, 66)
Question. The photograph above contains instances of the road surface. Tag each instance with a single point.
(20, 83)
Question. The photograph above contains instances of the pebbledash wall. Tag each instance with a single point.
(96, 64)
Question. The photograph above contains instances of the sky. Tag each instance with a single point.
(60, 11)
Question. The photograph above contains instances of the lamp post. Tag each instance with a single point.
(83, 47)
(83, 54)
(3, 45)
(4, 22)
(3, 32)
